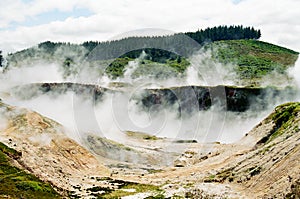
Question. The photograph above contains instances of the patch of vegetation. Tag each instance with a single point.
(33, 186)
(121, 187)
(9, 151)
(158, 196)
(154, 170)
(254, 59)
(284, 113)
(180, 64)
(16, 183)
(267, 148)
(188, 185)
(283, 117)
(143, 136)
(150, 66)
(211, 178)
(154, 70)
(221, 176)
(117, 67)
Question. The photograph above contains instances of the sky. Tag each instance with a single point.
(25, 23)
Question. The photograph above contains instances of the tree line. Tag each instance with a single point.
(224, 33)
(172, 43)
(158, 48)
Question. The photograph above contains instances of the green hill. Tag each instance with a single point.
(253, 58)
(250, 59)
(165, 56)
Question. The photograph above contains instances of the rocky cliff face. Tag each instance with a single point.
(190, 98)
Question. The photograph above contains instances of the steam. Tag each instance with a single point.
(120, 112)
(132, 66)
(42, 72)
(205, 71)
(121, 109)
(278, 79)
(202, 71)
(295, 73)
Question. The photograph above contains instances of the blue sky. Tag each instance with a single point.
(24, 23)
(48, 17)
(54, 15)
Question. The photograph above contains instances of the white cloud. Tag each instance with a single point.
(18, 11)
(277, 19)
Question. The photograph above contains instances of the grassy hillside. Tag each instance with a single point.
(253, 58)
(16, 183)
(170, 68)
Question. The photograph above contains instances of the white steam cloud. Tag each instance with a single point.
(295, 73)
(120, 109)
(38, 73)
(205, 71)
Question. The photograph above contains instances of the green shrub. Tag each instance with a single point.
(29, 185)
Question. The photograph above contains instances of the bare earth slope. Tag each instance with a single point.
(272, 167)
(46, 151)
(263, 164)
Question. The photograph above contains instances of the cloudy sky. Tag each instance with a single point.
(24, 23)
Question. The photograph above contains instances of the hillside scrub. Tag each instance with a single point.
(254, 59)
(16, 183)
(283, 118)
